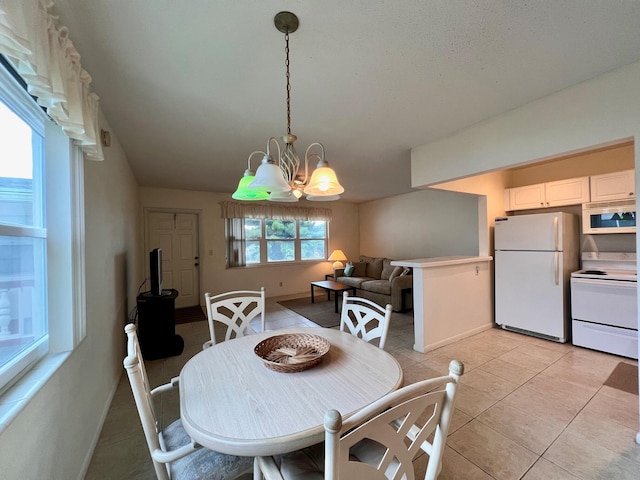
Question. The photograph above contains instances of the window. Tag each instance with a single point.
(276, 240)
(259, 234)
(23, 237)
(313, 240)
(41, 177)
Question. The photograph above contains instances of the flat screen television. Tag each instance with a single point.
(155, 271)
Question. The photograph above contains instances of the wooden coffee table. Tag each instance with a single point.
(331, 286)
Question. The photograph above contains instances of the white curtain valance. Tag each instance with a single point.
(273, 211)
(41, 51)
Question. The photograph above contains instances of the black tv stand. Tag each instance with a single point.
(157, 325)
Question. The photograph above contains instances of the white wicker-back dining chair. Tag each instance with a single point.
(365, 319)
(235, 310)
(381, 441)
(174, 454)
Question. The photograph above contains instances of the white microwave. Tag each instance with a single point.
(609, 217)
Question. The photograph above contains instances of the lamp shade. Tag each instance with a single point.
(269, 178)
(243, 192)
(323, 182)
(322, 198)
(287, 197)
(337, 257)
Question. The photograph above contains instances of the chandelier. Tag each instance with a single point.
(281, 180)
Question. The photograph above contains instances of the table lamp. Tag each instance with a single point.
(337, 257)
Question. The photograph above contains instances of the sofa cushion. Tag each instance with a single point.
(387, 269)
(377, 286)
(374, 266)
(359, 269)
(348, 270)
(352, 281)
(396, 273)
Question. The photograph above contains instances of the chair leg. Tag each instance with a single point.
(257, 474)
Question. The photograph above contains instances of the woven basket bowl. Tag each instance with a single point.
(295, 340)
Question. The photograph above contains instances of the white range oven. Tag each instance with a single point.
(604, 307)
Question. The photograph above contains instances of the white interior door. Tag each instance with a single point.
(177, 235)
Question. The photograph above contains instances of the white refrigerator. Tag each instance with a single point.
(534, 257)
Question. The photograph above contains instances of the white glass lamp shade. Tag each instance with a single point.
(337, 257)
(282, 197)
(323, 182)
(322, 198)
(269, 178)
(243, 192)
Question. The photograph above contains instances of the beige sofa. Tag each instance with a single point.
(379, 281)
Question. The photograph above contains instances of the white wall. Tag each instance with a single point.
(426, 223)
(214, 277)
(597, 112)
(53, 436)
(489, 188)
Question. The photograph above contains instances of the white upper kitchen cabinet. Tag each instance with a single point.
(613, 186)
(572, 191)
(529, 196)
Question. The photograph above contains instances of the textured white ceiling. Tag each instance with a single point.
(192, 87)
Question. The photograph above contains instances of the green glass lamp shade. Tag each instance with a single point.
(243, 192)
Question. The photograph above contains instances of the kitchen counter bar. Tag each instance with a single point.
(452, 298)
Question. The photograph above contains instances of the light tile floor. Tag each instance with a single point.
(527, 408)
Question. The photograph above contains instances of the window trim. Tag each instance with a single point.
(65, 248)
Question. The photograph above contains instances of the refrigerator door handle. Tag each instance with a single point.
(556, 231)
(557, 262)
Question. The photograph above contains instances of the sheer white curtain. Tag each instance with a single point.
(40, 50)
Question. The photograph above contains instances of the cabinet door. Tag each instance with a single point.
(530, 196)
(613, 186)
(572, 191)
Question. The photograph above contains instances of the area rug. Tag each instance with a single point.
(190, 314)
(323, 312)
(624, 377)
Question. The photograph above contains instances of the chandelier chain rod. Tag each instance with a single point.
(288, 76)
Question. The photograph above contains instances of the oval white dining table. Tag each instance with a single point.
(231, 403)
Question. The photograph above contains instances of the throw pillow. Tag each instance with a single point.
(396, 272)
(406, 271)
(374, 266)
(348, 270)
(360, 269)
(387, 269)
